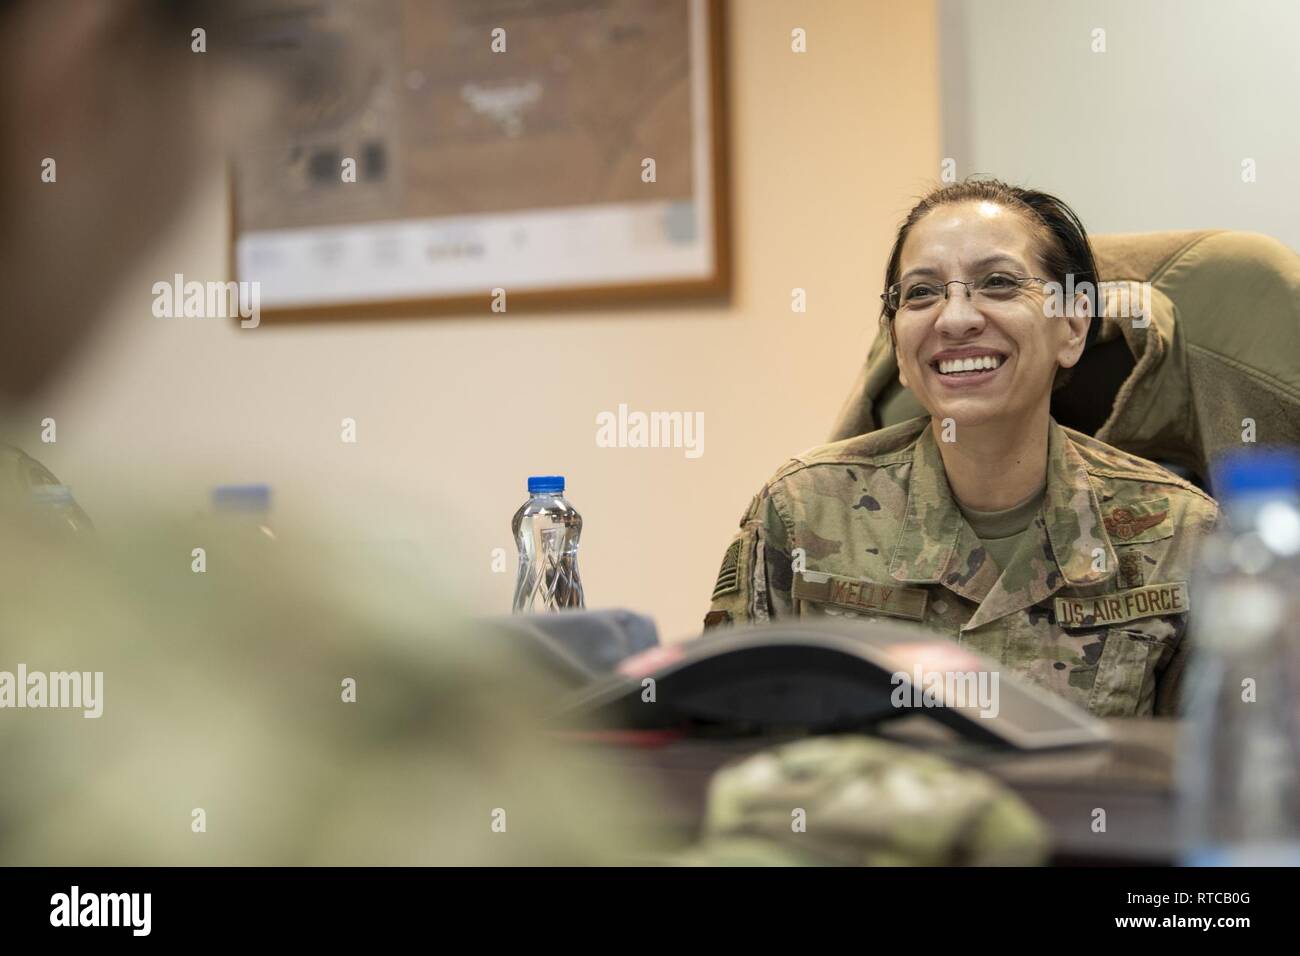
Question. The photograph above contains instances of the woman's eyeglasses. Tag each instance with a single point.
(924, 295)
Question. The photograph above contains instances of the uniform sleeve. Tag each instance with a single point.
(753, 583)
(1169, 682)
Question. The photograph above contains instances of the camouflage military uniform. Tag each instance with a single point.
(1093, 606)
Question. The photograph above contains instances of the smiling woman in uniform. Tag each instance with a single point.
(1056, 554)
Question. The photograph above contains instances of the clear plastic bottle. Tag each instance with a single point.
(247, 505)
(55, 503)
(546, 530)
(1239, 754)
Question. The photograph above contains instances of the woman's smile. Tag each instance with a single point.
(966, 368)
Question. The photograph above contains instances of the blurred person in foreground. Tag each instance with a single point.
(220, 731)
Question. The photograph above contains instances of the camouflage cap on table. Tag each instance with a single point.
(859, 801)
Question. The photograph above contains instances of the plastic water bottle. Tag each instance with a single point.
(55, 503)
(1239, 756)
(546, 530)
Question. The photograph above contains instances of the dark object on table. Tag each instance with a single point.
(582, 646)
(827, 676)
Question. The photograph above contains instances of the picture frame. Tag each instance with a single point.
(502, 156)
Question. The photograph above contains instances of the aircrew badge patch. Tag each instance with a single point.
(1142, 521)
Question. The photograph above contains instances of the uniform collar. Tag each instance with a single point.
(1067, 543)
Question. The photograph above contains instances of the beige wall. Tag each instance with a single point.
(827, 148)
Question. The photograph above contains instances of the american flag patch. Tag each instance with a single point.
(729, 574)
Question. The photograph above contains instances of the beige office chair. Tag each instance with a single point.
(1214, 366)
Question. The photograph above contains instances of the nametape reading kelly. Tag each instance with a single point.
(860, 595)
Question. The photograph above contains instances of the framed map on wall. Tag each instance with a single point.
(423, 156)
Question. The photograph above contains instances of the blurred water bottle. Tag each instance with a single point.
(248, 505)
(55, 504)
(1239, 756)
(547, 529)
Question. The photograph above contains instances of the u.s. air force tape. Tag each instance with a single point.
(1103, 609)
(858, 594)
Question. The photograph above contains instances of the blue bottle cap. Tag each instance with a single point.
(546, 484)
(1257, 471)
(51, 494)
(241, 497)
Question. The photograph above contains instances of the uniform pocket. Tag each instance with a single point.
(1125, 681)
